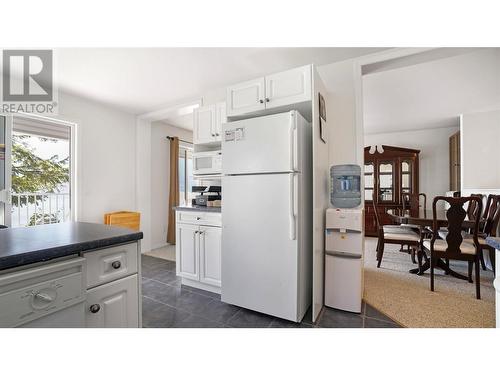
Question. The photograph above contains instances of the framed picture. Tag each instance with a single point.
(322, 118)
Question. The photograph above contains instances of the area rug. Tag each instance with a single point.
(407, 298)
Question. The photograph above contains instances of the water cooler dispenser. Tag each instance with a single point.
(344, 240)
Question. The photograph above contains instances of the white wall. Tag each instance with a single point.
(434, 174)
(105, 156)
(160, 178)
(338, 79)
(480, 151)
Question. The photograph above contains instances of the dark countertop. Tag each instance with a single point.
(197, 208)
(493, 242)
(22, 246)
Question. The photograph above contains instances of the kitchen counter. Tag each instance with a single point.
(197, 208)
(22, 246)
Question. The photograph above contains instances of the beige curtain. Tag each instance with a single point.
(173, 199)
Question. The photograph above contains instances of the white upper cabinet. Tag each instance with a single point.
(204, 124)
(220, 118)
(285, 88)
(272, 91)
(246, 97)
(207, 126)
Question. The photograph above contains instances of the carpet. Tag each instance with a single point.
(407, 298)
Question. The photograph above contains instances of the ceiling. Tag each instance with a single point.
(431, 94)
(138, 80)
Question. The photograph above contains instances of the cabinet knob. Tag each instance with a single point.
(267, 100)
(198, 218)
(95, 308)
(261, 101)
(116, 264)
(217, 134)
(213, 134)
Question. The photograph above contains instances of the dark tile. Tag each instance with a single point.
(193, 321)
(219, 311)
(153, 262)
(249, 319)
(372, 312)
(202, 292)
(157, 315)
(375, 323)
(192, 302)
(332, 318)
(162, 292)
(161, 275)
(281, 323)
(307, 319)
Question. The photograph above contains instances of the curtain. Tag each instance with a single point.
(173, 198)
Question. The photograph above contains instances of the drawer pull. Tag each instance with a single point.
(44, 297)
(116, 264)
(95, 308)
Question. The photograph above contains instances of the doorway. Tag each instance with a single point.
(37, 160)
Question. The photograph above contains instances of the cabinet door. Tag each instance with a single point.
(186, 251)
(220, 118)
(292, 86)
(113, 305)
(210, 255)
(245, 97)
(204, 124)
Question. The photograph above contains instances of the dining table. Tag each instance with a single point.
(425, 219)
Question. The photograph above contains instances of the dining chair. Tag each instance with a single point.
(394, 234)
(491, 219)
(454, 246)
(473, 208)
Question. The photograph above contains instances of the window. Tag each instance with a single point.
(185, 174)
(42, 171)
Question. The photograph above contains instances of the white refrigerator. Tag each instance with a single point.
(267, 214)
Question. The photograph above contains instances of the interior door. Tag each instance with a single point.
(5, 169)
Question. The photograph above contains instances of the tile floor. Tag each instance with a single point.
(167, 303)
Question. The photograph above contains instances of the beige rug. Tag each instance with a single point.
(407, 298)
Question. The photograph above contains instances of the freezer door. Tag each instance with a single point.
(265, 144)
(259, 244)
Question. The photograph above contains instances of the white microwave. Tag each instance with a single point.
(209, 162)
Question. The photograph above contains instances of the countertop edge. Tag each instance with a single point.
(43, 255)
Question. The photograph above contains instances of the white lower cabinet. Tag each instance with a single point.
(210, 255)
(198, 252)
(187, 255)
(113, 305)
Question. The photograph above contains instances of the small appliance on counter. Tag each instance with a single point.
(345, 185)
(208, 196)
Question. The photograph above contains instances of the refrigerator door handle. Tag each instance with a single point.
(292, 207)
(293, 140)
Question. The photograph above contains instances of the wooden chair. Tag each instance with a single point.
(491, 220)
(454, 246)
(394, 234)
(473, 208)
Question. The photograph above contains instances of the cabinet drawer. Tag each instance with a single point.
(199, 218)
(113, 305)
(110, 264)
(33, 293)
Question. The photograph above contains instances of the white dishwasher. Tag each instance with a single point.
(45, 295)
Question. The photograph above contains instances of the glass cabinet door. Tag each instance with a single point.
(386, 181)
(406, 176)
(369, 181)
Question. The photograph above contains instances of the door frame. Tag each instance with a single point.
(8, 170)
(73, 159)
